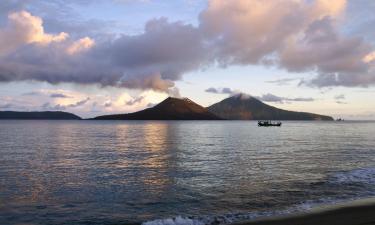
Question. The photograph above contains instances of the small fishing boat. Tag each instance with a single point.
(268, 123)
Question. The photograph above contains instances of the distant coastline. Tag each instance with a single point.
(237, 107)
(45, 115)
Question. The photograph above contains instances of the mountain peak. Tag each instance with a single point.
(246, 107)
(242, 96)
(169, 109)
(178, 99)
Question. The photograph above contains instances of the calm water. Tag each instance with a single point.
(99, 172)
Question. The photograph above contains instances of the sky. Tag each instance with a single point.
(96, 57)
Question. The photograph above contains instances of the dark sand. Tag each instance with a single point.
(354, 213)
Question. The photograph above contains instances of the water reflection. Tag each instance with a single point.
(113, 172)
(156, 143)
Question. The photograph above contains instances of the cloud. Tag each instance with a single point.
(32, 93)
(338, 97)
(24, 28)
(48, 106)
(150, 105)
(212, 90)
(135, 101)
(153, 60)
(107, 104)
(224, 90)
(341, 102)
(273, 98)
(248, 31)
(81, 45)
(298, 36)
(295, 35)
(282, 82)
(369, 57)
(59, 95)
(47, 92)
(79, 103)
(6, 106)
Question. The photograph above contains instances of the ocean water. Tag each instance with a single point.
(178, 172)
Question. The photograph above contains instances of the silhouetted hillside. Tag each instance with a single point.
(244, 107)
(48, 115)
(169, 109)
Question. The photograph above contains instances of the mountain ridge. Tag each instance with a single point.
(169, 109)
(246, 107)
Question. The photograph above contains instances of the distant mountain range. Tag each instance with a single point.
(48, 115)
(169, 109)
(237, 107)
(245, 107)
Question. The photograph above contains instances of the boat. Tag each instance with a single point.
(268, 123)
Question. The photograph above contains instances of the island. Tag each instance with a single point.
(246, 107)
(46, 115)
(169, 109)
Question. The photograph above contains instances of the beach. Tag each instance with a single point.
(360, 212)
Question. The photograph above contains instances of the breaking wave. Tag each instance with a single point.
(363, 176)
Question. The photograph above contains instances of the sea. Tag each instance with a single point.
(179, 172)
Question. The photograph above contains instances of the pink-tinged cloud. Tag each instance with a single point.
(296, 35)
(24, 28)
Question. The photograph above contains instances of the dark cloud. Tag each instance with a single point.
(224, 90)
(135, 101)
(39, 93)
(212, 90)
(59, 95)
(6, 106)
(273, 98)
(48, 106)
(338, 60)
(149, 105)
(341, 102)
(79, 103)
(282, 82)
(338, 97)
(32, 93)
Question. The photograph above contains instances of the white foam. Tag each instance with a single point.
(179, 220)
(363, 175)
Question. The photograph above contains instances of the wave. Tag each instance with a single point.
(363, 176)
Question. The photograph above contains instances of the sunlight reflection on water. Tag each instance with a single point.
(108, 172)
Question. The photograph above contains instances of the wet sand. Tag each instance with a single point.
(354, 213)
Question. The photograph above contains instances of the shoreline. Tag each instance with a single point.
(357, 212)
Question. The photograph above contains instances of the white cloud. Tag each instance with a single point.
(24, 28)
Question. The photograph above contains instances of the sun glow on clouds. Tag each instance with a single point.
(297, 36)
(24, 29)
(80, 45)
(83, 103)
(126, 103)
(369, 58)
(29, 29)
